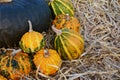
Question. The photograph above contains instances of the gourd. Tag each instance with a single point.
(47, 61)
(62, 7)
(2, 78)
(65, 21)
(14, 15)
(68, 43)
(14, 66)
(31, 41)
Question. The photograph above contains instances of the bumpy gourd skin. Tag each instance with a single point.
(31, 42)
(13, 66)
(65, 21)
(14, 16)
(2, 78)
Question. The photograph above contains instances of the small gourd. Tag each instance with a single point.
(31, 41)
(68, 43)
(13, 66)
(62, 7)
(47, 61)
(65, 21)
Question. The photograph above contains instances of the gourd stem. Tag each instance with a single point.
(30, 26)
(67, 17)
(46, 53)
(15, 51)
(5, 1)
(51, 0)
(58, 32)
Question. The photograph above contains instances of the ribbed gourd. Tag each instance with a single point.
(31, 41)
(65, 21)
(62, 7)
(68, 43)
(47, 61)
(15, 66)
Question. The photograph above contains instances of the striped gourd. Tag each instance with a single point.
(14, 65)
(31, 41)
(62, 7)
(68, 43)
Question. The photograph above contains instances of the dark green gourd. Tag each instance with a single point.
(14, 15)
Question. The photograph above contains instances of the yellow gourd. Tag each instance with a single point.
(47, 61)
(31, 41)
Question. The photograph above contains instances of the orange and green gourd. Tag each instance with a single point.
(31, 41)
(15, 66)
(62, 7)
(2, 78)
(65, 21)
(68, 43)
(47, 61)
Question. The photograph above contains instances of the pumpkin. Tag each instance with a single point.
(68, 43)
(62, 7)
(2, 78)
(14, 66)
(47, 61)
(14, 15)
(31, 41)
(65, 21)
